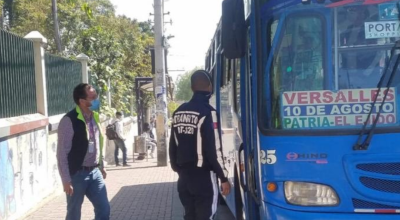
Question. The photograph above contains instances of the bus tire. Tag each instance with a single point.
(238, 198)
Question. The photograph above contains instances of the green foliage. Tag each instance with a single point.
(148, 99)
(1, 14)
(183, 87)
(172, 106)
(118, 46)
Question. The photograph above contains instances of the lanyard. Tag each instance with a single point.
(91, 129)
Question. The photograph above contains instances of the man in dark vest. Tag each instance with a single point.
(79, 155)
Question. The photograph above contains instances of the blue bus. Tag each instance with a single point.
(308, 95)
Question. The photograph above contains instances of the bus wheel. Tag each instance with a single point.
(238, 198)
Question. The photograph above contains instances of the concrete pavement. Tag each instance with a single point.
(142, 191)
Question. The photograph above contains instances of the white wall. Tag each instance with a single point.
(29, 171)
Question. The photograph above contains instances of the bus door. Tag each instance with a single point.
(249, 144)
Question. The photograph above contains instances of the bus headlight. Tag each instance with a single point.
(310, 194)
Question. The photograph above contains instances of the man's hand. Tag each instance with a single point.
(225, 188)
(104, 173)
(68, 189)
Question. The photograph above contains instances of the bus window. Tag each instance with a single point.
(298, 61)
(207, 67)
(213, 100)
(272, 31)
(363, 51)
(231, 70)
(236, 86)
(212, 51)
(297, 64)
(304, 96)
(226, 63)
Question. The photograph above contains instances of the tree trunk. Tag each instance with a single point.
(56, 27)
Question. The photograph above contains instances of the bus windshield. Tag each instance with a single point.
(325, 68)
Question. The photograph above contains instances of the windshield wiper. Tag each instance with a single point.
(394, 58)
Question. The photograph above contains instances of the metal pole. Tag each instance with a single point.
(160, 90)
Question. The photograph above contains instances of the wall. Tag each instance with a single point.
(28, 137)
(29, 171)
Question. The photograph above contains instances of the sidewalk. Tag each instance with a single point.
(142, 191)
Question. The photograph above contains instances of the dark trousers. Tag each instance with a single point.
(198, 192)
(120, 144)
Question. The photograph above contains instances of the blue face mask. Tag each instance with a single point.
(95, 105)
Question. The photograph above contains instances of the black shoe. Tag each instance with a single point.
(126, 165)
(117, 165)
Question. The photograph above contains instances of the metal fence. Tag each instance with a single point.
(62, 75)
(17, 76)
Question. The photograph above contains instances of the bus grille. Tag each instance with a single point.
(384, 168)
(390, 186)
(361, 204)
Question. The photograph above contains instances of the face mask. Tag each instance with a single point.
(95, 105)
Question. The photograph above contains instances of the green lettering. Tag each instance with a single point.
(286, 122)
(311, 122)
(295, 123)
(325, 122)
(303, 122)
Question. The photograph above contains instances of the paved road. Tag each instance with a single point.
(142, 192)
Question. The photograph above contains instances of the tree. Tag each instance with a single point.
(7, 14)
(172, 106)
(1, 14)
(118, 46)
(56, 27)
(183, 86)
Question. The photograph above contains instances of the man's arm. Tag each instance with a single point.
(65, 135)
(119, 129)
(212, 145)
(173, 145)
(148, 137)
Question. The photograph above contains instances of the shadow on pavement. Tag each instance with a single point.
(114, 168)
(145, 202)
(157, 201)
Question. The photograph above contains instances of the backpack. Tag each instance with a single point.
(111, 132)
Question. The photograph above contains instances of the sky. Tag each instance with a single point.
(193, 26)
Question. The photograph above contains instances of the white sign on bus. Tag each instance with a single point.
(382, 29)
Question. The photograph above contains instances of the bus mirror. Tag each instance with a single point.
(233, 28)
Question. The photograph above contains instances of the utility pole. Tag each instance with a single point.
(160, 82)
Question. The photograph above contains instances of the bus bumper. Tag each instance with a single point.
(277, 213)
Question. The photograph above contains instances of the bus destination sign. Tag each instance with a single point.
(342, 109)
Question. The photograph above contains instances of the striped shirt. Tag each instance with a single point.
(65, 135)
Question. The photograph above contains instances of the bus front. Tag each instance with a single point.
(328, 109)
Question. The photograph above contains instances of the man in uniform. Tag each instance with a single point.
(196, 152)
